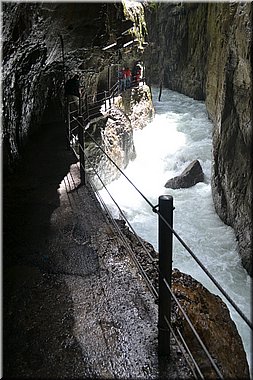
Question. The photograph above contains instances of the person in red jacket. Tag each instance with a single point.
(128, 77)
(122, 79)
(138, 73)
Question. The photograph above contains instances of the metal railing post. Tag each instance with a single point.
(165, 268)
(110, 104)
(87, 105)
(105, 99)
(80, 106)
(68, 122)
(81, 151)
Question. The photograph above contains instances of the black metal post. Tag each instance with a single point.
(81, 151)
(109, 79)
(63, 59)
(87, 106)
(165, 269)
(160, 91)
(105, 99)
(80, 106)
(68, 122)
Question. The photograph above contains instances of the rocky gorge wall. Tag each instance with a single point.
(205, 51)
(133, 109)
(45, 44)
(33, 70)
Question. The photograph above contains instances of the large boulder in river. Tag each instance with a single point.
(189, 177)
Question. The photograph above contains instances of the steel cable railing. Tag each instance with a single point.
(149, 284)
(121, 171)
(215, 282)
(184, 349)
(154, 209)
(193, 330)
(154, 292)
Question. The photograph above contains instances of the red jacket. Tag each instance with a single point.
(128, 73)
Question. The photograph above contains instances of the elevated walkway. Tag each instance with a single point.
(74, 305)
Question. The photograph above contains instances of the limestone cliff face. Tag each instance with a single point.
(205, 51)
(133, 109)
(229, 103)
(38, 38)
(176, 54)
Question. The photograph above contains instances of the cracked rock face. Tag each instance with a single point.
(37, 39)
(211, 319)
(229, 103)
(207, 312)
(205, 51)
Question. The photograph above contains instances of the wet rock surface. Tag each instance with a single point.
(206, 311)
(44, 44)
(74, 306)
(137, 104)
(189, 177)
(211, 319)
(130, 110)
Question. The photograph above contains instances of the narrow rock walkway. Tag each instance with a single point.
(74, 306)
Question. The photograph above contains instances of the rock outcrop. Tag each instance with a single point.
(207, 312)
(45, 43)
(131, 110)
(189, 177)
(211, 319)
(205, 51)
(137, 104)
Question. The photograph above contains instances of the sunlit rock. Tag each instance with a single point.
(133, 109)
(211, 319)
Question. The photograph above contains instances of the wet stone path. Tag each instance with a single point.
(74, 305)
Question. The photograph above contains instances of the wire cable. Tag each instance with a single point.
(150, 286)
(193, 330)
(154, 209)
(81, 123)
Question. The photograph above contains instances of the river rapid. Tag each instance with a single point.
(180, 133)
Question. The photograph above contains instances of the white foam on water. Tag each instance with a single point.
(180, 133)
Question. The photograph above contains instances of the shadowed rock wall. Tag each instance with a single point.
(33, 71)
(229, 104)
(176, 54)
(205, 51)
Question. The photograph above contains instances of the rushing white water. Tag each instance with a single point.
(180, 133)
